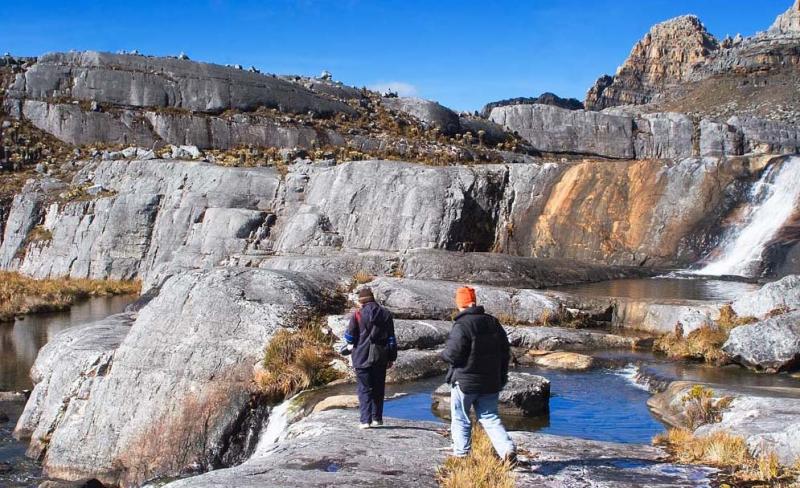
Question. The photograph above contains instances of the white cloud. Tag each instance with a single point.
(401, 88)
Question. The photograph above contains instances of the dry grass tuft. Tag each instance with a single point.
(481, 469)
(705, 343)
(362, 277)
(20, 294)
(296, 359)
(729, 453)
(702, 408)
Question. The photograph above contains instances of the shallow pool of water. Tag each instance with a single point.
(21, 340)
(662, 289)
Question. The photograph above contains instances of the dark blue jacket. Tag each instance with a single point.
(377, 325)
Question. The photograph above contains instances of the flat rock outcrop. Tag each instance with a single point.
(326, 449)
(430, 113)
(180, 381)
(563, 339)
(525, 395)
(410, 334)
(771, 345)
(564, 462)
(428, 299)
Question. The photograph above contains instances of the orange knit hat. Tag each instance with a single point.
(465, 296)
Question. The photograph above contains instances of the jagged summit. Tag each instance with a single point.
(666, 54)
(788, 22)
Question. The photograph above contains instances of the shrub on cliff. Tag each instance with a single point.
(20, 294)
(297, 358)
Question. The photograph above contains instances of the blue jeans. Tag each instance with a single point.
(486, 411)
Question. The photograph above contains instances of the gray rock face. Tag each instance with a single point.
(326, 449)
(430, 113)
(664, 136)
(23, 216)
(561, 339)
(424, 299)
(415, 364)
(718, 139)
(138, 81)
(564, 462)
(784, 293)
(771, 345)
(395, 206)
(183, 372)
(553, 129)
(160, 211)
(788, 22)
(525, 395)
(767, 137)
(662, 316)
(410, 334)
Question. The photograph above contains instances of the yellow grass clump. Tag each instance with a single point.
(296, 359)
(705, 343)
(480, 469)
(730, 454)
(20, 294)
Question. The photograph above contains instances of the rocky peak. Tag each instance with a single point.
(666, 55)
(788, 22)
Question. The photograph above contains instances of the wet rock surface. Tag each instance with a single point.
(559, 338)
(567, 462)
(525, 395)
(569, 361)
(781, 295)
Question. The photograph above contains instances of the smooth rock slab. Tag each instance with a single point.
(429, 299)
(410, 334)
(771, 345)
(525, 395)
(559, 338)
(327, 449)
(414, 365)
(570, 361)
(565, 462)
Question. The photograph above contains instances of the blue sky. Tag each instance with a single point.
(461, 53)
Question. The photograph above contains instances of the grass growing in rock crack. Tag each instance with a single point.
(730, 454)
(20, 294)
(297, 358)
(702, 407)
(704, 343)
(481, 469)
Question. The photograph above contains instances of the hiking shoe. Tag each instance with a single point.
(376, 423)
(363, 426)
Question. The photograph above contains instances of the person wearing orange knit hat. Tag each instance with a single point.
(478, 353)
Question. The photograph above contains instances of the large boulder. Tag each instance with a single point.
(557, 130)
(770, 345)
(410, 334)
(176, 393)
(525, 395)
(436, 300)
(415, 364)
(327, 449)
(430, 113)
(775, 296)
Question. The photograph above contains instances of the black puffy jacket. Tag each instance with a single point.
(478, 352)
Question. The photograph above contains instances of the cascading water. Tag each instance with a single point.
(773, 200)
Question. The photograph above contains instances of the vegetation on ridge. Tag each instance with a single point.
(21, 295)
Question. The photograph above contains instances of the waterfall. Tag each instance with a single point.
(280, 418)
(772, 199)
